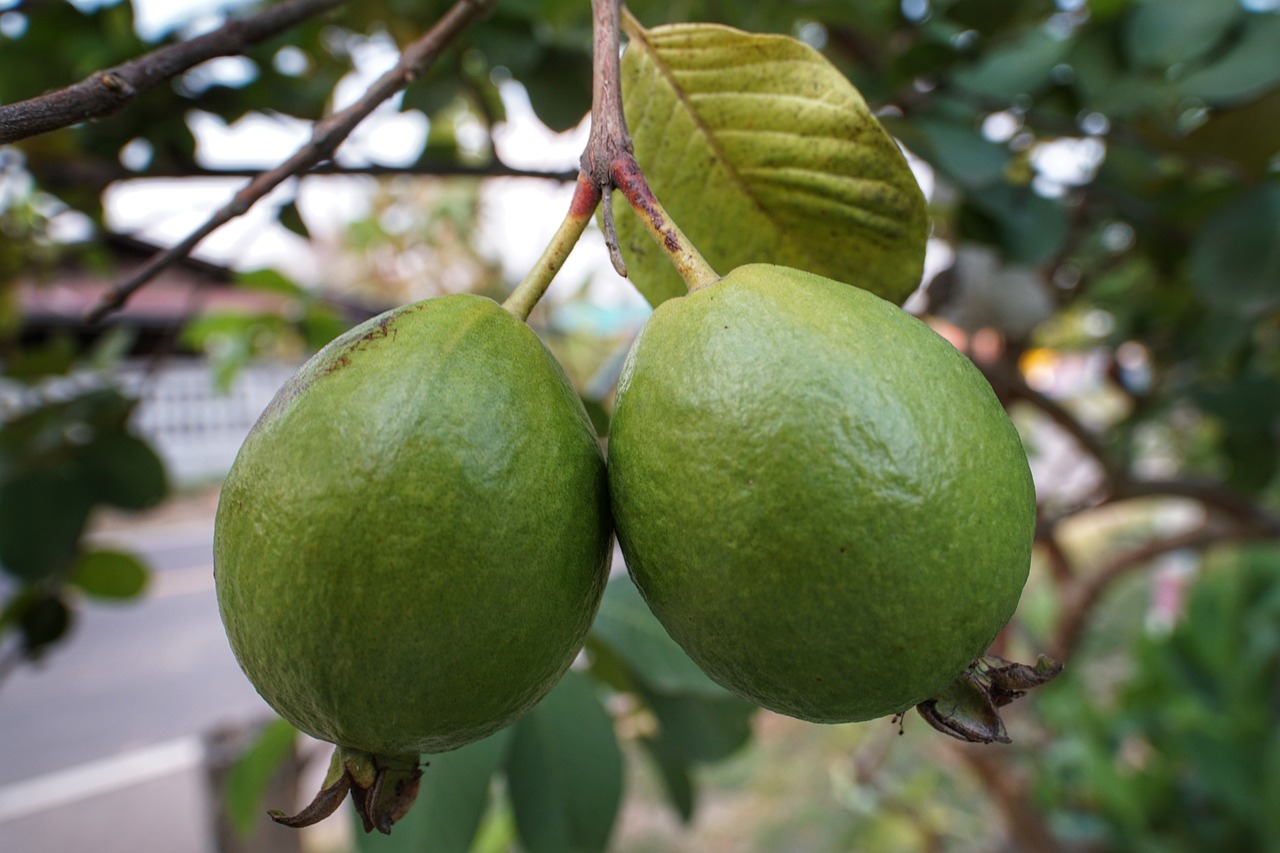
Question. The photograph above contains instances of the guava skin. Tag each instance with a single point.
(414, 539)
(819, 497)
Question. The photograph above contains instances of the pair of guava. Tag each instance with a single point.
(820, 499)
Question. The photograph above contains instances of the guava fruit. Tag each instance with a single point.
(819, 497)
(413, 540)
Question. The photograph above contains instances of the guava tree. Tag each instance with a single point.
(1103, 179)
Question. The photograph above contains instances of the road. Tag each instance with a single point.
(104, 742)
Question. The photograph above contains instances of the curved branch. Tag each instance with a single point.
(1075, 613)
(326, 136)
(108, 91)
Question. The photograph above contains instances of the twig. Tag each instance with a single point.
(101, 174)
(1027, 828)
(326, 136)
(1208, 492)
(1007, 379)
(108, 91)
(1075, 613)
(609, 140)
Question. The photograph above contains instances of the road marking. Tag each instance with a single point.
(169, 583)
(99, 777)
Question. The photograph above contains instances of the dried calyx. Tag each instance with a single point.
(968, 709)
(382, 788)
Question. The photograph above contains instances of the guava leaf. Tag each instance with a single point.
(1235, 256)
(564, 771)
(245, 787)
(1246, 72)
(110, 575)
(1016, 68)
(675, 771)
(629, 629)
(42, 514)
(124, 471)
(702, 729)
(1161, 33)
(762, 151)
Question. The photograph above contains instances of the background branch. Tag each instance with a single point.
(326, 136)
(108, 91)
(1077, 608)
(101, 174)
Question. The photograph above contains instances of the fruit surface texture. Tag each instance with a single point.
(820, 498)
(414, 538)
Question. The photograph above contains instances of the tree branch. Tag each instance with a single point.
(108, 91)
(1075, 613)
(1027, 828)
(326, 136)
(101, 174)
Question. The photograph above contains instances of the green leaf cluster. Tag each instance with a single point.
(66, 451)
(1186, 756)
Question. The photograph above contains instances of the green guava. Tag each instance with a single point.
(414, 538)
(820, 498)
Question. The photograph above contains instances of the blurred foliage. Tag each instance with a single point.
(1106, 174)
(65, 449)
(1185, 755)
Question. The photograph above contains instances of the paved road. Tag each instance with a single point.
(102, 745)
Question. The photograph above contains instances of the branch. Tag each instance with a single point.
(326, 136)
(1075, 613)
(1007, 379)
(1027, 828)
(107, 92)
(100, 174)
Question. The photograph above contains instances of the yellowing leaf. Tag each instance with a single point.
(762, 151)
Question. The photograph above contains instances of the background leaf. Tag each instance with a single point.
(248, 779)
(110, 574)
(1164, 32)
(1235, 257)
(42, 515)
(762, 151)
(564, 772)
(123, 470)
(627, 626)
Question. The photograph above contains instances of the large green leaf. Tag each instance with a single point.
(451, 802)
(626, 625)
(564, 771)
(762, 151)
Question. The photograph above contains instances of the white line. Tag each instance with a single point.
(99, 777)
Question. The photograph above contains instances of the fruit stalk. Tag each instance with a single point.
(609, 160)
(586, 198)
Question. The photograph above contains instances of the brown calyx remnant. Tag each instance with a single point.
(382, 789)
(968, 708)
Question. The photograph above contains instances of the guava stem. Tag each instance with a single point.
(609, 160)
(586, 197)
(688, 261)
